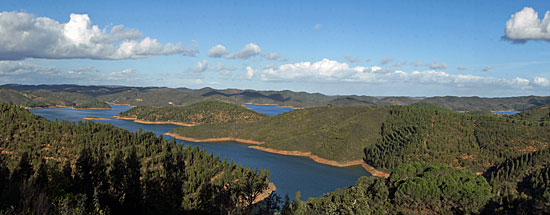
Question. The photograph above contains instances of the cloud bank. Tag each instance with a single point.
(22, 35)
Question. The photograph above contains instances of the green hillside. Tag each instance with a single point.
(90, 168)
(541, 114)
(93, 104)
(388, 136)
(199, 113)
(336, 133)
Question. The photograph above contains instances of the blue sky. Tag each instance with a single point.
(405, 48)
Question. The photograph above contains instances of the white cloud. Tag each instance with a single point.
(22, 35)
(462, 68)
(250, 50)
(273, 56)
(351, 59)
(438, 66)
(386, 60)
(217, 51)
(200, 67)
(333, 71)
(317, 26)
(526, 25)
(486, 69)
(542, 81)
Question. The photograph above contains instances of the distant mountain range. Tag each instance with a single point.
(71, 95)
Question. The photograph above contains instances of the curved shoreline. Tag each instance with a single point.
(91, 108)
(94, 118)
(219, 139)
(153, 122)
(371, 170)
(111, 103)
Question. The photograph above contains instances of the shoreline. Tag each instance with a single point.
(219, 139)
(91, 108)
(111, 103)
(154, 122)
(94, 118)
(371, 170)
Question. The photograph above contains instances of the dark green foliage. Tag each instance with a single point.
(199, 113)
(427, 133)
(541, 114)
(91, 168)
(411, 189)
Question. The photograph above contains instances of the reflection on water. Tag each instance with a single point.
(289, 173)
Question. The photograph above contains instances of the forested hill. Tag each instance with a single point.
(198, 113)
(46, 98)
(162, 96)
(541, 114)
(391, 135)
(91, 168)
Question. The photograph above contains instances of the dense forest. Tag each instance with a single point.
(162, 96)
(417, 188)
(541, 114)
(206, 112)
(91, 168)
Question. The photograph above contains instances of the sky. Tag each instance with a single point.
(375, 48)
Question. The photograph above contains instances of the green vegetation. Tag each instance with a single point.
(427, 133)
(540, 114)
(161, 96)
(93, 104)
(390, 135)
(90, 168)
(206, 112)
(336, 133)
(411, 189)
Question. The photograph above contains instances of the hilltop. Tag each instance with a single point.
(207, 112)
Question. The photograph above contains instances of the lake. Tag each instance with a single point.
(270, 110)
(508, 112)
(288, 173)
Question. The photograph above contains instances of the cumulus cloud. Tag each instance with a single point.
(438, 66)
(486, 69)
(462, 68)
(526, 25)
(317, 26)
(250, 50)
(542, 81)
(22, 35)
(200, 67)
(351, 59)
(217, 51)
(386, 60)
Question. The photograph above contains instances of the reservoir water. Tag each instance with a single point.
(288, 173)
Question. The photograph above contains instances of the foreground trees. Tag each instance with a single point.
(90, 168)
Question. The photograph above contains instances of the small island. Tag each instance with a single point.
(207, 112)
(94, 105)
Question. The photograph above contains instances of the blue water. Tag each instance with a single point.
(270, 110)
(288, 173)
(508, 112)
